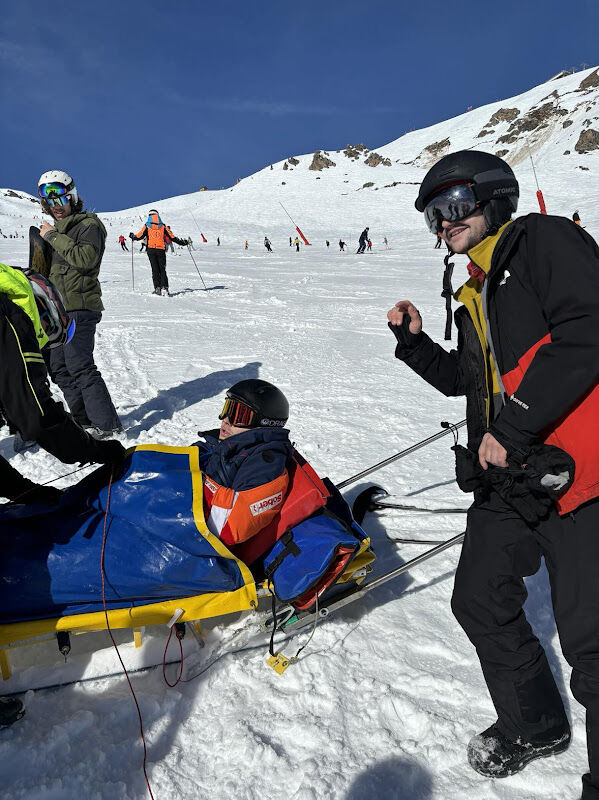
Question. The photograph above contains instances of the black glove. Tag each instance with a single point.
(35, 493)
(530, 488)
(109, 451)
(403, 334)
(131, 235)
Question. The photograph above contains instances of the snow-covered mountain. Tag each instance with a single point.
(336, 191)
(385, 697)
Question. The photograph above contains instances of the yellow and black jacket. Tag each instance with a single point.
(26, 403)
(529, 366)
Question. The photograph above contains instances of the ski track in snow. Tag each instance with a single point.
(388, 692)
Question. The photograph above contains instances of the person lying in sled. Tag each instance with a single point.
(245, 461)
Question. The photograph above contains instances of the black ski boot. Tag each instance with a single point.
(494, 755)
(11, 710)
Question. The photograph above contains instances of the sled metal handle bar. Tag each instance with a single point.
(449, 429)
(355, 594)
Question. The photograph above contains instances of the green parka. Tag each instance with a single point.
(77, 248)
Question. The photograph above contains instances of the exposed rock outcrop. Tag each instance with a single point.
(503, 115)
(590, 81)
(433, 152)
(374, 159)
(293, 161)
(320, 162)
(587, 141)
(535, 119)
(355, 150)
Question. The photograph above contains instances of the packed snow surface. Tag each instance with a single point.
(387, 694)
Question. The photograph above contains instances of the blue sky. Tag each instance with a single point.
(146, 100)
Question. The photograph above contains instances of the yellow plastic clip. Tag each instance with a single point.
(280, 662)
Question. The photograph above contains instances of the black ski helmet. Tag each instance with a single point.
(491, 179)
(264, 398)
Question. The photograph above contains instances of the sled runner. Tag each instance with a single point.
(135, 553)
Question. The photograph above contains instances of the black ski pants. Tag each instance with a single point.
(361, 247)
(158, 263)
(499, 550)
(72, 367)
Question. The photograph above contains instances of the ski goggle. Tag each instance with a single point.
(239, 414)
(451, 204)
(55, 194)
(58, 201)
(54, 189)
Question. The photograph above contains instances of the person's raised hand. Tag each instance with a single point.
(396, 315)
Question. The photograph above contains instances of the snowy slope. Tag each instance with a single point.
(387, 694)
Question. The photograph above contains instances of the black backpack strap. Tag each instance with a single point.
(447, 293)
(290, 548)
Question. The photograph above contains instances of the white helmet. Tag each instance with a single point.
(56, 187)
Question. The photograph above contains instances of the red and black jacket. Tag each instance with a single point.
(541, 304)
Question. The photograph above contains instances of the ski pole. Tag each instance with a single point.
(448, 428)
(196, 266)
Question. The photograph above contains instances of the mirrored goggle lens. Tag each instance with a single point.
(57, 201)
(238, 413)
(451, 205)
(47, 190)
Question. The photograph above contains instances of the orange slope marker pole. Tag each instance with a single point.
(297, 228)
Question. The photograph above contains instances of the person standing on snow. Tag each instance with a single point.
(576, 218)
(341, 245)
(217, 241)
(267, 244)
(439, 242)
(123, 243)
(385, 242)
(77, 239)
(156, 233)
(32, 317)
(363, 240)
(530, 317)
(369, 244)
(296, 242)
(328, 244)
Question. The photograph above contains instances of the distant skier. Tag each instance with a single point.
(386, 243)
(328, 243)
(439, 241)
(576, 218)
(267, 244)
(362, 241)
(296, 242)
(217, 241)
(369, 245)
(342, 245)
(246, 245)
(156, 233)
(290, 242)
(123, 243)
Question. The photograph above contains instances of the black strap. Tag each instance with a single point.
(290, 548)
(447, 293)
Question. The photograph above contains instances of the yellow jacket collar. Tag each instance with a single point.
(482, 253)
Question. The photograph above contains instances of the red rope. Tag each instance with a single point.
(180, 673)
(141, 726)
